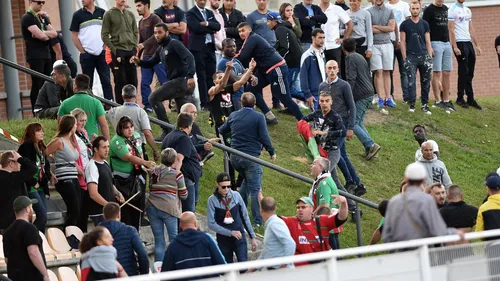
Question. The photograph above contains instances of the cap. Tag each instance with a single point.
(56, 64)
(223, 177)
(274, 16)
(22, 202)
(415, 171)
(305, 200)
(493, 183)
(489, 175)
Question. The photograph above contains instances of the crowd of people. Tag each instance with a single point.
(335, 61)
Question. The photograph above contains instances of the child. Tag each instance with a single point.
(377, 235)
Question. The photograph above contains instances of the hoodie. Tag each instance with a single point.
(436, 171)
(191, 249)
(128, 243)
(100, 259)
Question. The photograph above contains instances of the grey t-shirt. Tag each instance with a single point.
(381, 16)
(362, 21)
(135, 112)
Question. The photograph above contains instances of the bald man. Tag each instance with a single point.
(191, 248)
(436, 169)
(204, 150)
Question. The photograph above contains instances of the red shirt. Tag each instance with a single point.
(306, 236)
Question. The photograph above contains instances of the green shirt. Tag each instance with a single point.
(324, 192)
(119, 148)
(90, 105)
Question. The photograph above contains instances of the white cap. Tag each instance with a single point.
(415, 171)
(57, 63)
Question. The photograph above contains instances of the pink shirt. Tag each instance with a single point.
(221, 34)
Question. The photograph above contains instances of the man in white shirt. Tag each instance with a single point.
(465, 45)
(336, 15)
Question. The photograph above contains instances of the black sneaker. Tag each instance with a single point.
(425, 109)
(159, 139)
(207, 157)
(462, 103)
(475, 105)
(450, 106)
(350, 187)
(372, 152)
(353, 215)
(273, 121)
(360, 190)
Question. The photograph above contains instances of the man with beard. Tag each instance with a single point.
(174, 17)
(147, 46)
(23, 246)
(232, 17)
(179, 63)
(221, 34)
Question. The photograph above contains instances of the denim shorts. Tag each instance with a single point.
(442, 56)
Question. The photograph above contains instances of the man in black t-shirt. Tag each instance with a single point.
(417, 54)
(22, 245)
(457, 213)
(37, 31)
(187, 158)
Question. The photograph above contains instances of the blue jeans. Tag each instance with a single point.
(230, 245)
(359, 127)
(40, 209)
(345, 164)
(147, 79)
(252, 182)
(190, 203)
(90, 63)
(97, 219)
(333, 239)
(293, 79)
(158, 220)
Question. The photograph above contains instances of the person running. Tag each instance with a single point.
(179, 63)
(33, 148)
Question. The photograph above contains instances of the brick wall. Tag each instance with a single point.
(486, 81)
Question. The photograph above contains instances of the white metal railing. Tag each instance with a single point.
(423, 263)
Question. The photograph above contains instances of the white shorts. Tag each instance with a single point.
(382, 57)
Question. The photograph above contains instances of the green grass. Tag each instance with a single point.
(468, 142)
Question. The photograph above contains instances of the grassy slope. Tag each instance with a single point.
(468, 142)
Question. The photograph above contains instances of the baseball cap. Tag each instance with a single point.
(493, 183)
(305, 200)
(22, 202)
(274, 16)
(415, 171)
(223, 177)
(56, 64)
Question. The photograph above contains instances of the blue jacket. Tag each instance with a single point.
(259, 49)
(310, 75)
(191, 249)
(248, 131)
(128, 243)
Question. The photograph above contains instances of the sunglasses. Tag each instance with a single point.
(224, 186)
(40, 2)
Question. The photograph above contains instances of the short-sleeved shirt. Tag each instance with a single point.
(415, 36)
(135, 112)
(179, 141)
(321, 193)
(119, 147)
(381, 16)
(35, 48)
(89, 28)
(16, 240)
(462, 16)
(100, 174)
(336, 16)
(401, 11)
(258, 23)
(437, 18)
(221, 106)
(172, 16)
(92, 107)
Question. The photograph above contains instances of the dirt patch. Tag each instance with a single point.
(374, 117)
(301, 159)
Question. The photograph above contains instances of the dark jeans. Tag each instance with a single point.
(335, 54)
(47, 113)
(334, 241)
(402, 74)
(40, 209)
(190, 203)
(466, 64)
(97, 219)
(43, 66)
(230, 245)
(70, 193)
(177, 89)
(205, 70)
(259, 99)
(278, 79)
(84, 212)
(251, 185)
(424, 65)
(124, 72)
(147, 79)
(345, 164)
(90, 63)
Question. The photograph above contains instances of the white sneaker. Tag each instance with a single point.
(384, 111)
(302, 105)
(375, 99)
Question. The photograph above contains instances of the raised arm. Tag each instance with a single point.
(244, 78)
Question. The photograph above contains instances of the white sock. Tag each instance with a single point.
(270, 115)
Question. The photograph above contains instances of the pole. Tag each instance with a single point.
(66, 10)
(11, 76)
